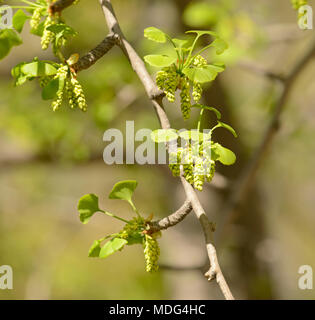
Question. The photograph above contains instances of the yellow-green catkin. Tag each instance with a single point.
(197, 164)
(185, 98)
(151, 253)
(48, 36)
(197, 91)
(62, 74)
(43, 81)
(70, 94)
(175, 162)
(199, 173)
(199, 61)
(167, 80)
(79, 96)
(35, 19)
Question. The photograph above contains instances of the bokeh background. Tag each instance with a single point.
(49, 160)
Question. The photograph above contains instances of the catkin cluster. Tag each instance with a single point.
(61, 74)
(133, 229)
(75, 93)
(43, 81)
(196, 161)
(50, 37)
(47, 36)
(35, 19)
(198, 62)
(151, 253)
(71, 88)
(169, 80)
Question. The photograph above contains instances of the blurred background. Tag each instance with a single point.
(49, 160)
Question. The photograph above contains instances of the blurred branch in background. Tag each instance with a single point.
(243, 184)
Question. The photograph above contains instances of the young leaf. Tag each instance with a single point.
(62, 29)
(50, 90)
(220, 45)
(203, 32)
(155, 34)
(158, 60)
(88, 205)
(164, 135)
(16, 73)
(111, 247)
(203, 74)
(123, 190)
(8, 39)
(38, 69)
(95, 249)
(226, 126)
(180, 43)
(217, 112)
(194, 135)
(19, 19)
(225, 156)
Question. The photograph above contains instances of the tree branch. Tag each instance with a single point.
(95, 54)
(172, 219)
(60, 5)
(242, 187)
(156, 97)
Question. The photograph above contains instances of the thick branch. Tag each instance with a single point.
(60, 5)
(242, 187)
(172, 219)
(156, 97)
(95, 54)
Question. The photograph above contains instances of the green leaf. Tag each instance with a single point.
(225, 156)
(194, 135)
(159, 60)
(164, 135)
(63, 29)
(8, 39)
(226, 126)
(203, 32)
(50, 90)
(203, 74)
(123, 190)
(111, 247)
(180, 43)
(19, 20)
(155, 34)
(95, 249)
(39, 30)
(220, 45)
(217, 112)
(135, 238)
(88, 205)
(38, 69)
